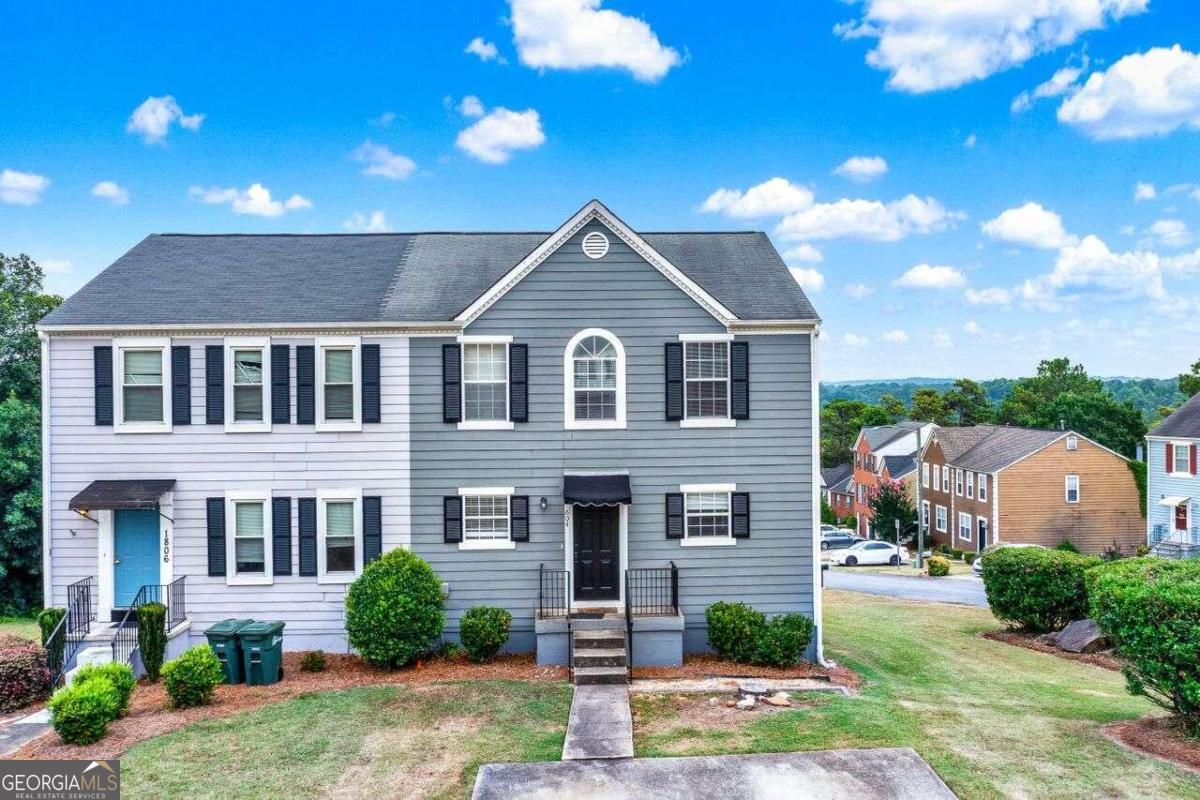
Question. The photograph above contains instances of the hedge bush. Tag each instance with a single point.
(1150, 608)
(783, 640)
(1067, 546)
(394, 610)
(733, 629)
(80, 713)
(47, 621)
(971, 558)
(937, 567)
(119, 675)
(1039, 590)
(483, 631)
(24, 676)
(313, 661)
(152, 637)
(191, 678)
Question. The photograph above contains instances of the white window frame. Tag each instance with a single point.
(232, 344)
(569, 421)
(232, 577)
(707, 541)
(709, 422)
(958, 481)
(937, 478)
(983, 482)
(505, 424)
(925, 474)
(946, 478)
(925, 520)
(1067, 489)
(486, 491)
(1176, 448)
(970, 537)
(971, 485)
(1072, 442)
(325, 496)
(120, 346)
(941, 520)
(354, 345)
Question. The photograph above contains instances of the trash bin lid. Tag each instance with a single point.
(229, 626)
(260, 629)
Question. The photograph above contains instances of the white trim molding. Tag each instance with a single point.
(569, 421)
(232, 344)
(464, 338)
(47, 494)
(622, 546)
(161, 344)
(325, 496)
(354, 345)
(232, 578)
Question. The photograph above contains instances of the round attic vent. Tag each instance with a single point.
(595, 245)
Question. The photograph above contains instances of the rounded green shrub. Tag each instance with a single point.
(24, 675)
(937, 567)
(394, 610)
(152, 637)
(1067, 546)
(783, 640)
(1150, 609)
(313, 661)
(119, 675)
(81, 713)
(971, 558)
(733, 629)
(191, 678)
(483, 631)
(1039, 590)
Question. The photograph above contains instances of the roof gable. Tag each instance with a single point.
(1184, 421)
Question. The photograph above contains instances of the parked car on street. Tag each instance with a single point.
(871, 552)
(838, 539)
(977, 567)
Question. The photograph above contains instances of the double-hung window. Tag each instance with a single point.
(706, 400)
(142, 377)
(339, 384)
(946, 479)
(487, 518)
(707, 514)
(248, 541)
(485, 382)
(925, 475)
(339, 535)
(1181, 458)
(1071, 488)
(941, 518)
(594, 372)
(925, 514)
(937, 478)
(964, 526)
(971, 485)
(958, 481)
(983, 482)
(247, 385)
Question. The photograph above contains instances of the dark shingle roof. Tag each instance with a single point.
(1184, 422)
(1001, 446)
(956, 441)
(835, 475)
(899, 466)
(403, 277)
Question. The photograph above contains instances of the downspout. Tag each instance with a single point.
(47, 577)
(817, 589)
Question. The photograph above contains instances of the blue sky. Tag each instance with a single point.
(296, 118)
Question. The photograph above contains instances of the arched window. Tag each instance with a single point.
(594, 381)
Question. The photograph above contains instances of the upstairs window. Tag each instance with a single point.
(970, 484)
(937, 478)
(247, 389)
(144, 393)
(1182, 459)
(1072, 488)
(958, 482)
(706, 380)
(925, 475)
(983, 482)
(1072, 442)
(946, 479)
(485, 382)
(339, 384)
(594, 372)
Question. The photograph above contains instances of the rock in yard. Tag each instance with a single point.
(1082, 636)
(747, 688)
(778, 699)
(730, 703)
(712, 701)
(746, 703)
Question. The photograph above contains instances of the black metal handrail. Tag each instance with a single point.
(652, 591)
(172, 595)
(72, 630)
(554, 600)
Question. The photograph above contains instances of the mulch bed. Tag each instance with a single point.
(1157, 737)
(704, 665)
(1033, 642)
(150, 716)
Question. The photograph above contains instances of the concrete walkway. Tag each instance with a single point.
(16, 731)
(601, 725)
(967, 592)
(880, 774)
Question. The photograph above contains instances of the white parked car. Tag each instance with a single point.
(871, 552)
(977, 567)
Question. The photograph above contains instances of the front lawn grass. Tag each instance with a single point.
(379, 741)
(994, 720)
(25, 627)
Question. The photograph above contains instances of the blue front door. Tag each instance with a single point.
(135, 554)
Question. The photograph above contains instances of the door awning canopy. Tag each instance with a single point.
(596, 490)
(117, 495)
(1172, 501)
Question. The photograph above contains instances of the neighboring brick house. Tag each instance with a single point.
(871, 449)
(986, 484)
(837, 490)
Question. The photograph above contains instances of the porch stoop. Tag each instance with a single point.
(599, 656)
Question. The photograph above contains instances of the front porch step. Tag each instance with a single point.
(599, 639)
(589, 676)
(89, 656)
(600, 657)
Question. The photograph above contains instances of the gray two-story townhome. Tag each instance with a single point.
(584, 420)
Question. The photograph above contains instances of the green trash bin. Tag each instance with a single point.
(262, 652)
(223, 639)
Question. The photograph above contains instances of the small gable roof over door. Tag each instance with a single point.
(121, 495)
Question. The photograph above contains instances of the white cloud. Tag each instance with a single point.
(376, 223)
(22, 188)
(771, 198)
(868, 219)
(382, 162)
(972, 327)
(484, 49)
(994, 296)
(804, 252)
(858, 291)
(495, 137)
(1144, 191)
(854, 340)
(256, 200)
(153, 118)
(1142, 94)
(809, 278)
(112, 192)
(578, 34)
(928, 276)
(895, 337)
(862, 169)
(941, 338)
(929, 46)
(1059, 84)
(1030, 225)
(1090, 269)
(54, 266)
(1170, 233)
(384, 120)
(970, 141)
(471, 106)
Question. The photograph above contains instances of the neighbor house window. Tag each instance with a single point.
(983, 482)
(958, 482)
(937, 479)
(706, 511)
(247, 389)
(248, 542)
(946, 479)
(964, 526)
(925, 514)
(706, 380)
(1072, 442)
(144, 394)
(594, 371)
(1072, 488)
(485, 382)
(1181, 458)
(971, 484)
(941, 518)
(339, 535)
(925, 475)
(339, 384)
(486, 518)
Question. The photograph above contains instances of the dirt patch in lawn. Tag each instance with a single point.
(1033, 642)
(707, 665)
(150, 714)
(1157, 737)
(664, 713)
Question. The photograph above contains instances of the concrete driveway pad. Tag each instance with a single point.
(876, 774)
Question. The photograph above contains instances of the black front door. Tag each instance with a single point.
(597, 537)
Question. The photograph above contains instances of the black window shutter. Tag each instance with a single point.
(102, 369)
(673, 366)
(306, 385)
(214, 384)
(181, 385)
(452, 523)
(674, 515)
(216, 536)
(740, 518)
(372, 528)
(739, 374)
(281, 384)
(370, 383)
(519, 518)
(451, 383)
(308, 535)
(281, 531)
(518, 382)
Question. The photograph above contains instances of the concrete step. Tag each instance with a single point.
(589, 676)
(88, 656)
(611, 622)
(600, 657)
(592, 639)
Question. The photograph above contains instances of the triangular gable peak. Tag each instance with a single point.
(595, 210)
